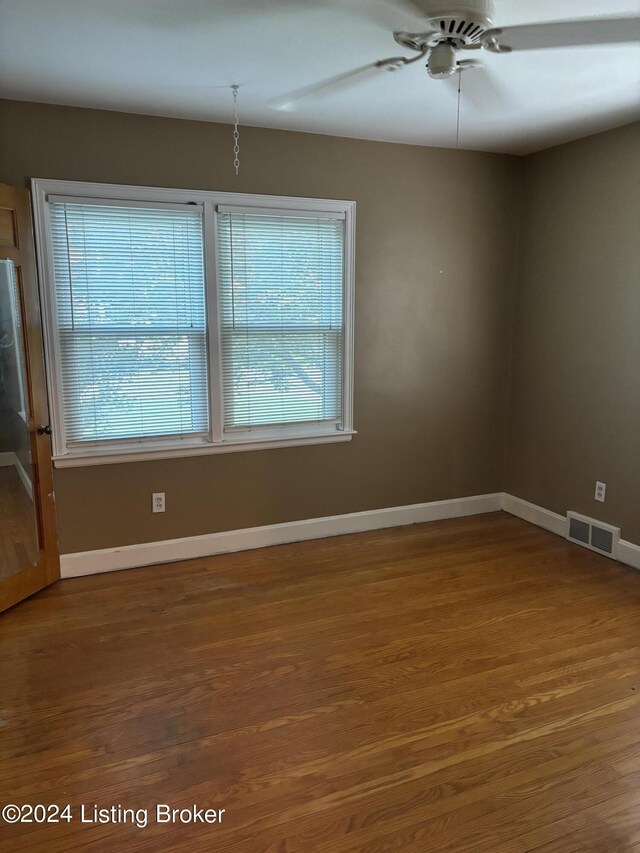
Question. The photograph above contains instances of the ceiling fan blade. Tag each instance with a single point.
(290, 101)
(188, 14)
(421, 8)
(563, 34)
(390, 14)
(482, 89)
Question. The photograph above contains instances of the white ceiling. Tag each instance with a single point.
(178, 58)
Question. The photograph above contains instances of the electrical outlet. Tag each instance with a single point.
(601, 492)
(157, 502)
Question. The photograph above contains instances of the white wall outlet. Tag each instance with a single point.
(157, 502)
(601, 492)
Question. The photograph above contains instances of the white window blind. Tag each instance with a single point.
(281, 287)
(131, 321)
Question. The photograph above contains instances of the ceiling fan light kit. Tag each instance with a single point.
(442, 61)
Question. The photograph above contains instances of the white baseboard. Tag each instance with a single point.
(535, 514)
(170, 550)
(628, 553)
(7, 459)
(624, 552)
(26, 482)
(11, 460)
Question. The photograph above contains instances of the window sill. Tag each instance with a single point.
(119, 456)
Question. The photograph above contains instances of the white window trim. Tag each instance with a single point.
(147, 449)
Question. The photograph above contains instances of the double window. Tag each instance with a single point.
(186, 322)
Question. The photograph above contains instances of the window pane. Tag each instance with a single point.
(281, 299)
(134, 385)
(281, 377)
(130, 305)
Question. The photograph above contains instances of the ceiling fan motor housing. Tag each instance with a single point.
(464, 24)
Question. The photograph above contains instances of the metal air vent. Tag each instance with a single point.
(593, 534)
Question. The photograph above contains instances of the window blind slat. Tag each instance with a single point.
(130, 311)
(281, 286)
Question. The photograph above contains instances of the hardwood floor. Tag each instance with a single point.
(18, 537)
(469, 685)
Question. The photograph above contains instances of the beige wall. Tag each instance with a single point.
(435, 276)
(575, 400)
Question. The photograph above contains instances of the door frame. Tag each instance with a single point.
(47, 570)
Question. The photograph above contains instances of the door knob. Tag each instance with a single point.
(44, 430)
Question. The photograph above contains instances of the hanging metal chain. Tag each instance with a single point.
(236, 132)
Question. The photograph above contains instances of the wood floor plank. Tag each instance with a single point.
(464, 685)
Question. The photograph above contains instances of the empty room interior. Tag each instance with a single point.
(320, 426)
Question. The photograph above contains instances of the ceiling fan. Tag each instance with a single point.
(453, 29)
